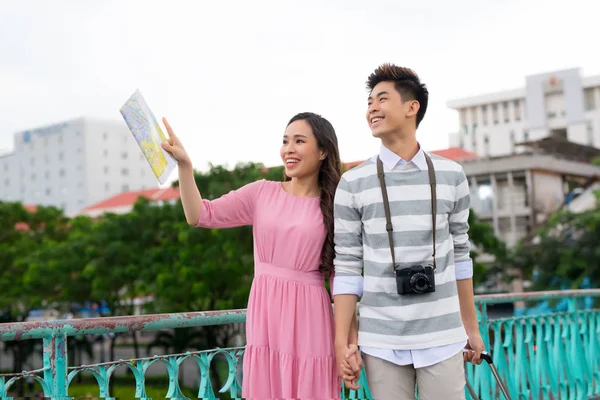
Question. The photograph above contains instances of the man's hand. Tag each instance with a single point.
(349, 364)
(475, 347)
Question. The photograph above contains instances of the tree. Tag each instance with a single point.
(484, 241)
(564, 252)
(21, 233)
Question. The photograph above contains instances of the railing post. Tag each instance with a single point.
(56, 364)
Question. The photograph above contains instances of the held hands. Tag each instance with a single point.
(349, 364)
(174, 147)
(473, 349)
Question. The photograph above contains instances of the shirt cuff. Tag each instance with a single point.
(463, 269)
(348, 285)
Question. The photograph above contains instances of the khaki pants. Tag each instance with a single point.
(441, 381)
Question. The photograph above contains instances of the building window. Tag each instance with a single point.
(47, 175)
(6, 182)
(505, 107)
(474, 115)
(525, 135)
(61, 156)
(124, 172)
(60, 138)
(124, 155)
(551, 115)
(33, 177)
(495, 113)
(125, 188)
(589, 101)
(106, 187)
(484, 115)
(105, 153)
(143, 171)
(61, 172)
(590, 133)
(106, 170)
(48, 191)
(512, 141)
(104, 136)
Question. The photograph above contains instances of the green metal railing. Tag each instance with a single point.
(550, 356)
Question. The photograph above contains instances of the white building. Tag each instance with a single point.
(73, 164)
(561, 104)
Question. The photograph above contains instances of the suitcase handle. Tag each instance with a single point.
(487, 357)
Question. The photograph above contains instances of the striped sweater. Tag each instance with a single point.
(389, 320)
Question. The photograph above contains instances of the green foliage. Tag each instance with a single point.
(151, 250)
(22, 234)
(485, 241)
(148, 251)
(564, 252)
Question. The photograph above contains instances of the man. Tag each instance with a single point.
(411, 334)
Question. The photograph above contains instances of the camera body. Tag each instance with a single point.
(417, 279)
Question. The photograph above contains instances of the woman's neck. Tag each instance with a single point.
(307, 186)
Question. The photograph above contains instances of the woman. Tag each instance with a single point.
(289, 325)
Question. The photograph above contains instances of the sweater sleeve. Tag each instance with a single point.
(347, 233)
(233, 209)
(459, 219)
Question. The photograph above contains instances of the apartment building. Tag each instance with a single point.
(560, 104)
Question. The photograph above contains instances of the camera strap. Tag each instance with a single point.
(386, 205)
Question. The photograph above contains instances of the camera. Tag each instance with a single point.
(417, 279)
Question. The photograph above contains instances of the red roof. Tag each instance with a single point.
(128, 198)
(456, 154)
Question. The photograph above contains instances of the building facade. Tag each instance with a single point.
(519, 192)
(74, 164)
(560, 104)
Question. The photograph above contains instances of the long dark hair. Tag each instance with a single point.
(330, 173)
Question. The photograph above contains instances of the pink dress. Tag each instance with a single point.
(289, 325)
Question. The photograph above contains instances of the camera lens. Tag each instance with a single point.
(419, 282)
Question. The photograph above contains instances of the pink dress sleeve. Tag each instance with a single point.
(233, 209)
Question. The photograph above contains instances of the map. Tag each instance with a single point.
(149, 135)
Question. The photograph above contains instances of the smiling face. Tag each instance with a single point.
(387, 113)
(300, 151)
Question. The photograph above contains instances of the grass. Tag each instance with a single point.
(124, 387)
(90, 390)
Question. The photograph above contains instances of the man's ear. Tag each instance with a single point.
(413, 108)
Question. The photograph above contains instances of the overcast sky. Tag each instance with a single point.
(229, 74)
